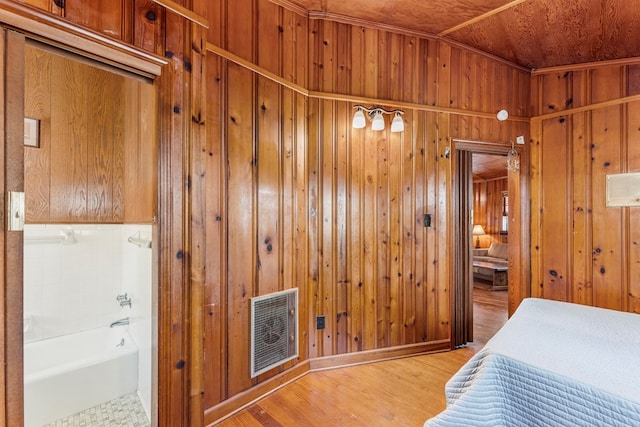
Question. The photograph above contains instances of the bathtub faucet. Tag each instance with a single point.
(120, 322)
(124, 299)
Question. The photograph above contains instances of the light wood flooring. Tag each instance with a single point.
(403, 392)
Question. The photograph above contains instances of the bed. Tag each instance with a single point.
(551, 364)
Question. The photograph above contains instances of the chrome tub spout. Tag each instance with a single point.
(120, 322)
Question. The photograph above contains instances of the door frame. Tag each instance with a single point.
(519, 236)
(18, 23)
(12, 161)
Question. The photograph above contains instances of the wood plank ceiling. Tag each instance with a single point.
(532, 33)
(488, 166)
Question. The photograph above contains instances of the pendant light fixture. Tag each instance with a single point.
(513, 160)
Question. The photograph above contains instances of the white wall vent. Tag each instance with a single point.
(274, 330)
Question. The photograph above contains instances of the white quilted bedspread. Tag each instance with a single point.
(552, 364)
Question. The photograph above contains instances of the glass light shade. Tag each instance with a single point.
(359, 121)
(513, 160)
(377, 122)
(397, 125)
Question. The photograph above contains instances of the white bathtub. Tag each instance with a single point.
(68, 374)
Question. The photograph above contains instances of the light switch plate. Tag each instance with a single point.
(15, 211)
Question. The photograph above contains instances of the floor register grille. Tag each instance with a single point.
(126, 411)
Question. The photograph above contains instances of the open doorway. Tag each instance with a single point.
(490, 240)
(90, 207)
(26, 28)
(482, 245)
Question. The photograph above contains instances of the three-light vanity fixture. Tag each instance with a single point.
(375, 115)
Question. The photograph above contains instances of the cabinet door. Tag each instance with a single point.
(141, 153)
(95, 160)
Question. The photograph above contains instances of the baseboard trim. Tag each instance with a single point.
(237, 403)
(240, 401)
(378, 355)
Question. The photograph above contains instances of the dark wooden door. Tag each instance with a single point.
(462, 273)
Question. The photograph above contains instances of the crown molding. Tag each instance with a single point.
(350, 20)
(586, 66)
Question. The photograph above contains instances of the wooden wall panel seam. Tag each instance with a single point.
(624, 136)
(197, 156)
(536, 206)
(589, 190)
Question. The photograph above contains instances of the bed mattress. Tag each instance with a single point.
(551, 364)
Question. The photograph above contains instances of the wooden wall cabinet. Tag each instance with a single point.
(96, 159)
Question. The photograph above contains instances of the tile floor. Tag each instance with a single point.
(126, 411)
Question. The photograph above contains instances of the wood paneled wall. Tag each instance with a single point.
(488, 208)
(256, 183)
(264, 187)
(583, 251)
(281, 192)
(298, 198)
